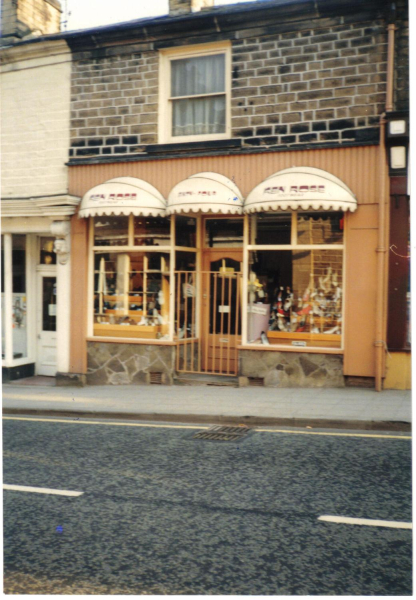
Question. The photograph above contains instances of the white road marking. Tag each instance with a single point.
(75, 421)
(368, 522)
(38, 490)
(363, 435)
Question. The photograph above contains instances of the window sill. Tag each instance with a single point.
(119, 340)
(276, 348)
(186, 146)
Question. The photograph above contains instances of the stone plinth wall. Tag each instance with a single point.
(122, 364)
(293, 369)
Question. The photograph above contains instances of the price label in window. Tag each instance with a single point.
(223, 309)
(257, 310)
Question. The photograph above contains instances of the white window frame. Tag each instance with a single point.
(165, 100)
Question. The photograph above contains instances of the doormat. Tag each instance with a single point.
(222, 433)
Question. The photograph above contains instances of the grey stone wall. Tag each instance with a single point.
(307, 86)
(310, 86)
(123, 364)
(114, 104)
(293, 369)
(401, 58)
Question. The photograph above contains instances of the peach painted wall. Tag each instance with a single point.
(357, 167)
(79, 279)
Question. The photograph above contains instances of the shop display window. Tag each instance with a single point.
(224, 233)
(19, 316)
(185, 231)
(313, 228)
(151, 231)
(271, 228)
(131, 295)
(47, 255)
(111, 231)
(295, 295)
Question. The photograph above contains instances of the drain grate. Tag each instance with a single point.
(156, 378)
(256, 381)
(220, 433)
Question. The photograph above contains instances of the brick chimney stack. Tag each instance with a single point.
(21, 18)
(183, 7)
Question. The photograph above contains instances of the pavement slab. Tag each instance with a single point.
(318, 405)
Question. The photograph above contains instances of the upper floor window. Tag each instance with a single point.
(194, 93)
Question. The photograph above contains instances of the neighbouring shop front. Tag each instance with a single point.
(206, 280)
(35, 294)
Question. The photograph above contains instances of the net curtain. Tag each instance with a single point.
(196, 77)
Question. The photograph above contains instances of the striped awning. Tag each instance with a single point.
(206, 193)
(123, 196)
(301, 188)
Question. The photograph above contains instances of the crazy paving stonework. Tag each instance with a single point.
(122, 364)
(292, 369)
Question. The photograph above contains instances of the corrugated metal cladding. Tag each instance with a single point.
(357, 167)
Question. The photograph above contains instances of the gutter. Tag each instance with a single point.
(226, 18)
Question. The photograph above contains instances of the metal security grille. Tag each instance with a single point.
(208, 321)
(220, 433)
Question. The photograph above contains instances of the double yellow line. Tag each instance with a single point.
(76, 421)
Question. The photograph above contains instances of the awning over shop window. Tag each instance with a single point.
(123, 196)
(302, 188)
(207, 193)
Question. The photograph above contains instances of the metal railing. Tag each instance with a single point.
(208, 321)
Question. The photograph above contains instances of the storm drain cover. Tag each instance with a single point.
(220, 433)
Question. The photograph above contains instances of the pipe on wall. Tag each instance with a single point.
(380, 342)
(391, 28)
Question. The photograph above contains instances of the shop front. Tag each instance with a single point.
(207, 280)
(35, 294)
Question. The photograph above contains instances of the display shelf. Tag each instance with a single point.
(128, 331)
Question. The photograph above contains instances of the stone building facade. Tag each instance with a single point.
(324, 81)
(21, 18)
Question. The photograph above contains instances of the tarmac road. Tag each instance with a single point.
(162, 513)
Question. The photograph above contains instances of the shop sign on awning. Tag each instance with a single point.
(123, 196)
(206, 193)
(301, 188)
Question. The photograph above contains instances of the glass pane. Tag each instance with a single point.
(199, 116)
(185, 231)
(185, 261)
(111, 231)
(295, 297)
(151, 231)
(271, 228)
(49, 304)
(47, 255)
(3, 341)
(131, 295)
(320, 228)
(19, 321)
(199, 75)
(224, 233)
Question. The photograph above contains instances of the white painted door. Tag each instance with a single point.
(46, 323)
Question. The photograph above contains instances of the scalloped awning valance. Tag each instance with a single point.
(302, 188)
(206, 193)
(123, 196)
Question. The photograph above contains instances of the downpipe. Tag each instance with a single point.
(379, 342)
